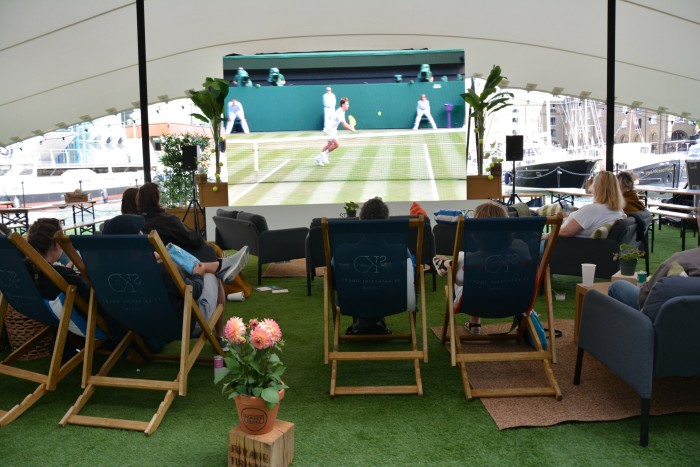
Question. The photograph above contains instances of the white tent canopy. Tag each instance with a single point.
(66, 61)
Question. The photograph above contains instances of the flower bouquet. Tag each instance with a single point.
(252, 363)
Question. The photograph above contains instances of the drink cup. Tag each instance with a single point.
(587, 273)
(641, 277)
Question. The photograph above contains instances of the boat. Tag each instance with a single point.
(545, 166)
(99, 161)
(649, 168)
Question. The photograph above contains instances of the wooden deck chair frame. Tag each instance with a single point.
(332, 318)
(545, 356)
(188, 355)
(57, 370)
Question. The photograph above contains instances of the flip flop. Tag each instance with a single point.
(440, 266)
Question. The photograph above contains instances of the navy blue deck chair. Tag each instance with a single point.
(128, 285)
(17, 288)
(503, 273)
(371, 275)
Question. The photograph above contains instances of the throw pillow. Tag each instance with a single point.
(417, 210)
(602, 231)
(445, 216)
(257, 219)
(676, 270)
(667, 288)
(549, 210)
(225, 213)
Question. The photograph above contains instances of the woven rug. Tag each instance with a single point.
(293, 268)
(600, 396)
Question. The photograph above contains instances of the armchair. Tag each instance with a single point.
(638, 346)
(235, 229)
(570, 252)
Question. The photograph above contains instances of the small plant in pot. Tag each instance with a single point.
(351, 208)
(628, 257)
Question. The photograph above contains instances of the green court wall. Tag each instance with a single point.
(299, 108)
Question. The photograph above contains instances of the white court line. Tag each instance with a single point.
(255, 185)
(431, 175)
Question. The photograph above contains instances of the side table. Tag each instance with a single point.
(581, 290)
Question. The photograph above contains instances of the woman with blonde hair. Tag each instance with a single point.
(607, 207)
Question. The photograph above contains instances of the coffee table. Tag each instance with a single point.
(581, 290)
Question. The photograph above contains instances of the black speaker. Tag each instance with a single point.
(190, 154)
(514, 148)
(693, 169)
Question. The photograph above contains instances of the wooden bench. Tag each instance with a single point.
(681, 207)
(87, 226)
(657, 212)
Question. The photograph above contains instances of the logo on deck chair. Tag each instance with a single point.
(8, 279)
(124, 283)
(369, 264)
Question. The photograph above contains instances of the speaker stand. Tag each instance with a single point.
(196, 209)
(513, 195)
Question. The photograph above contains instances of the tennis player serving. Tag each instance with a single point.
(331, 129)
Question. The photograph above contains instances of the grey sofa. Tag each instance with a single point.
(661, 340)
(570, 252)
(234, 229)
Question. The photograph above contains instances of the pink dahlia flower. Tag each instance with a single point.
(235, 330)
(260, 338)
(273, 329)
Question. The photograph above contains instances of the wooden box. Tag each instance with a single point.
(75, 197)
(273, 449)
(480, 187)
(213, 194)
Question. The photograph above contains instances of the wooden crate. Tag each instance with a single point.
(75, 197)
(273, 449)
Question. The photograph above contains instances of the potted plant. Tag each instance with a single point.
(176, 182)
(253, 371)
(351, 208)
(211, 102)
(628, 256)
(488, 101)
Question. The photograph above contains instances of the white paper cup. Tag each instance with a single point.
(235, 297)
(587, 273)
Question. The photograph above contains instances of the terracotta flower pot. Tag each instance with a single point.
(255, 418)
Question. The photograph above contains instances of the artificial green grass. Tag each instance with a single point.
(439, 429)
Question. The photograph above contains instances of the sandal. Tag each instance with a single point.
(474, 328)
(441, 265)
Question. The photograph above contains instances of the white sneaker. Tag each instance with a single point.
(319, 159)
(325, 158)
(232, 265)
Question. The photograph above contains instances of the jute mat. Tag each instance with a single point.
(293, 268)
(600, 396)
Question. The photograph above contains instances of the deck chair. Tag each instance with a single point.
(18, 289)
(368, 276)
(503, 272)
(129, 287)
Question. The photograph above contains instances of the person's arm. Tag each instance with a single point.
(570, 228)
(347, 126)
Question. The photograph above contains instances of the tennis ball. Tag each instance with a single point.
(490, 177)
(215, 189)
(379, 113)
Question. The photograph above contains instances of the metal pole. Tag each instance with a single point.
(143, 91)
(610, 101)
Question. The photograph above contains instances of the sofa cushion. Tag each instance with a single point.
(665, 289)
(225, 213)
(549, 210)
(257, 219)
(602, 231)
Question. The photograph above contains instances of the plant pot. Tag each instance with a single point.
(254, 415)
(628, 267)
(351, 213)
(480, 187)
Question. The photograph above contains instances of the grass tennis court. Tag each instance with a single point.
(405, 165)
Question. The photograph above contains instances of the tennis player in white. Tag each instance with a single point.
(338, 118)
(423, 108)
(235, 110)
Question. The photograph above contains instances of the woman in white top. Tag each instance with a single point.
(607, 207)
